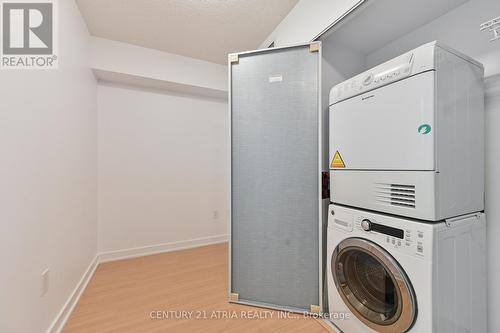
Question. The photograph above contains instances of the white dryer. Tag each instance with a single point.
(396, 275)
(407, 137)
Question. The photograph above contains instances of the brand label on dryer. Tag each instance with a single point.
(424, 129)
(337, 161)
(275, 78)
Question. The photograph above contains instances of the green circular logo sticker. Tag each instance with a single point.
(424, 129)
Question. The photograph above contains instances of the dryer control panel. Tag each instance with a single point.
(413, 62)
(378, 77)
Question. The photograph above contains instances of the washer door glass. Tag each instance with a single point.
(373, 286)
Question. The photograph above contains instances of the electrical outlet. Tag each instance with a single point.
(215, 214)
(45, 282)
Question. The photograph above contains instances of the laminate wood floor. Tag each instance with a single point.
(182, 291)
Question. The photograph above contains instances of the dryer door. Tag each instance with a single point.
(390, 128)
(374, 286)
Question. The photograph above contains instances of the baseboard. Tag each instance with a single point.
(160, 248)
(63, 315)
(58, 323)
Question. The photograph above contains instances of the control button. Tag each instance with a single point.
(420, 249)
(399, 243)
(368, 79)
(393, 241)
(408, 243)
(388, 240)
(366, 225)
(420, 234)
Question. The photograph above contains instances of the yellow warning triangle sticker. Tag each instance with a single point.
(337, 161)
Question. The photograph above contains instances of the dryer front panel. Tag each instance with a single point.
(390, 128)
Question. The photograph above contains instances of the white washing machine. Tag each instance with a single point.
(389, 274)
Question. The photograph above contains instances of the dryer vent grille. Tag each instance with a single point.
(401, 195)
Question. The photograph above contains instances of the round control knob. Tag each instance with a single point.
(366, 225)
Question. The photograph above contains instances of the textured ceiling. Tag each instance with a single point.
(203, 29)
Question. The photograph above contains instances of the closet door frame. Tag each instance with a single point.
(315, 47)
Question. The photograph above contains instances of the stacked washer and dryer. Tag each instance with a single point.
(406, 229)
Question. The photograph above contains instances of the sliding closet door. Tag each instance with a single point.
(275, 168)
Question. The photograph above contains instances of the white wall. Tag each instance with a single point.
(493, 198)
(162, 168)
(332, 74)
(352, 63)
(48, 150)
(458, 29)
(307, 20)
(156, 68)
